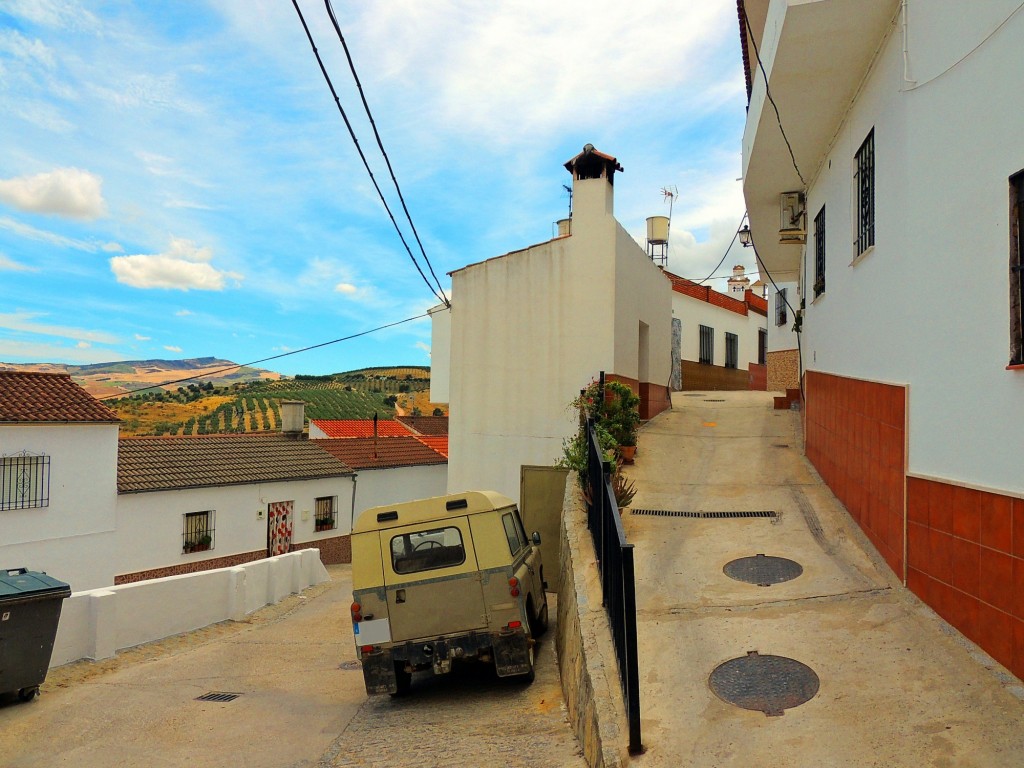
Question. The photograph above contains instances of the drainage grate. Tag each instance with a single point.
(769, 684)
(693, 394)
(218, 696)
(714, 401)
(763, 570)
(780, 445)
(707, 515)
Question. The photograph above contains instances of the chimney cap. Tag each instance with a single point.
(592, 164)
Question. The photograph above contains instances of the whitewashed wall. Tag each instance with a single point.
(377, 487)
(928, 306)
(95, 624)
(440, 353)
(149, 529)
(694, 313)
(782, 337)
(72, 539)
(533, 328)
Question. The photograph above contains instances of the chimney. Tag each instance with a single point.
(593, 179)
(293, 418)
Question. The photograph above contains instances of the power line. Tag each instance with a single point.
(727, 249)
(380, 145)
(768, 93)
(265, 359)
(362, 156)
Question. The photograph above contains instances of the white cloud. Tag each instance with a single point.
(112, 247)
(10, 265)
(140, 337)
(424, 346)
(182, 267)
(69, 192)
(347, 288)
(61, 14)
(83, 345)
(25, 322)
(183, 313)
(172, 348)
(55, 353)
(44, 236)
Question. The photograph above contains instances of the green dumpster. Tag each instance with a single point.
(30, 604)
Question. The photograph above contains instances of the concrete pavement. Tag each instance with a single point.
(898, 687)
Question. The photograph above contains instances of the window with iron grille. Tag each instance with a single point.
(762, 346)
(707, 345)
(24, 481)
(325, 516)
(732, 350)
(1017, 269)
(780, 307)
(819, 253)
(865, 194)
(198, 531)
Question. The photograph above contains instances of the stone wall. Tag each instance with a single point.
(783, 370)
(586, 656)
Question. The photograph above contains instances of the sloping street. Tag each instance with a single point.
(896, 685)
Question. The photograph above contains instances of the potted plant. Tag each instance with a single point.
(203, 543)
(621, 416)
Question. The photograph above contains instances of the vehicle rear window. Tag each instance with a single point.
(515, 543)
(427, 550)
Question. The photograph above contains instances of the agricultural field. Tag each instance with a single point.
(204, 409)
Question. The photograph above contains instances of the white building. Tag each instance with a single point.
(58, 479)
(899, 218)
(530, 329)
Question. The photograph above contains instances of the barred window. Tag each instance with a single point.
(24, 481)
(732, 350)
(864, 181)
(707, 345)
(1017, 269)
(780, 307)
(819, 253)
(762, 345)
(325, 516)
(198, 531)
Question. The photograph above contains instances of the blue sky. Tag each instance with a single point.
(175, 180)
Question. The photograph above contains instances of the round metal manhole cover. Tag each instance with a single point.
(763, 570)
(769, 684)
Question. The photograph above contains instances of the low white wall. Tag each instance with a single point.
(96, 624)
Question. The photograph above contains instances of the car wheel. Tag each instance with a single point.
(27, 694)
(532, 674)
(538, 620)
(403, 679)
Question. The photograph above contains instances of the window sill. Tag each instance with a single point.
(1015, 367)
(819, 297)
(862, 255)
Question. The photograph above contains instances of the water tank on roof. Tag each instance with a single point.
(564, 227)
(657, 229)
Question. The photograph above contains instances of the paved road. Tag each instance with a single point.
(301, 703)
(898, 687)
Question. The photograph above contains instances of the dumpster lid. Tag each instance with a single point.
(16, 582)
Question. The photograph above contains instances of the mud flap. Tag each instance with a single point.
(379, 673)
(511, 654)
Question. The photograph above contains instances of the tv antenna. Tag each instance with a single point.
(568, 192)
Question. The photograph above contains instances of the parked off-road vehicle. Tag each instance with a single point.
(452, 577)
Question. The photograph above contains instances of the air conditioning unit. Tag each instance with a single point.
(793, 218)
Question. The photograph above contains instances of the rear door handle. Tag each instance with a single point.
(399, 595)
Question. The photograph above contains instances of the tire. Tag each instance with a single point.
(27, 694)
(403, 679)
(529, 677)
(538, 621)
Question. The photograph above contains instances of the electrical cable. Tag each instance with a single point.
(380, 145)
(362, 156)
(728, 248)
(265, 359)
(768, 93)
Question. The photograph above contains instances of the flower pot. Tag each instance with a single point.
(627, 452)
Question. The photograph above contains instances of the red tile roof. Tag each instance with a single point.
(706, 293)
(351, 428)
(756, 303)
(438, 442)
(367, 453)
(31, 397)
(426, 425)
(170, 463)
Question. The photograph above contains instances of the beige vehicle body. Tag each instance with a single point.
(450, 577)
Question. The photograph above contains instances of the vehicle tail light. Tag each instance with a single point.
(513, 587)
(357, 612)
(515, 624)
(366, 648)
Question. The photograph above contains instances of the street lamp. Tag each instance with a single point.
(746, 240)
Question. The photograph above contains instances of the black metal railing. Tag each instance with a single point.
(615, 560)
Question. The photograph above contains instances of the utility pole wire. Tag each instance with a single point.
(380, 145)
(362, 156)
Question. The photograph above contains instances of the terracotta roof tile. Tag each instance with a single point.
(361, 453)
(28, 396)
(706, 293)
(350, 428)
(438, 442)
(756, 303)
(426, 425)
(168, 463)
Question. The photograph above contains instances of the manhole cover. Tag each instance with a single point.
(763, 570)
(218, 696)
(350, 665)
(769, 684)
